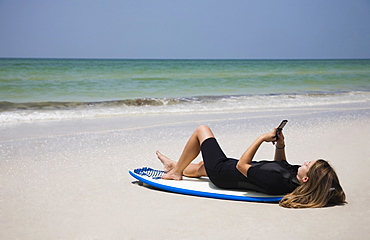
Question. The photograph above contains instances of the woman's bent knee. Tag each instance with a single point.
(204, 128)
(204, 132)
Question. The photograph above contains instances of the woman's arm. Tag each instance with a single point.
(244, 162)
(280, 148)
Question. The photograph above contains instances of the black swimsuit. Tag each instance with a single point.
(272, 177)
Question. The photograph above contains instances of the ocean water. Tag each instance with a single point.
(51, 89)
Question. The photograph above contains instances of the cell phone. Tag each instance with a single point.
(280, 127)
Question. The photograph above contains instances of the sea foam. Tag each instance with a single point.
(20, 112)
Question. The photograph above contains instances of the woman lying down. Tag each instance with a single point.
(313, 184)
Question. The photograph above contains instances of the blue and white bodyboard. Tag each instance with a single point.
(201, 187)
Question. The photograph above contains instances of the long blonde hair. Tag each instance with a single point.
(321, 189)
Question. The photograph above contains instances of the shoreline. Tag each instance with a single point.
(13, 113)
(69, 179)
(15, 130)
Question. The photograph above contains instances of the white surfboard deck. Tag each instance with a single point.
(201, 187)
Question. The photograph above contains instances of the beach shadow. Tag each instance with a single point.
(141, 184)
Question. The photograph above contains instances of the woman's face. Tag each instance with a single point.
(302, 171)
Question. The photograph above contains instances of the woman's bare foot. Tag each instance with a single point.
(172, 175)
(168, 164)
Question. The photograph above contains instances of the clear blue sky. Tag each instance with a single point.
(190, 29)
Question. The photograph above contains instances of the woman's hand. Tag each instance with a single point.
(271, 137)
(281, 138)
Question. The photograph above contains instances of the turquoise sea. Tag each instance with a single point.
(42, 89)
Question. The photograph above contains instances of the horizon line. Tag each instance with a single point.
(190, 59)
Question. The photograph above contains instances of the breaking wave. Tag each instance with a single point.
(33, 111)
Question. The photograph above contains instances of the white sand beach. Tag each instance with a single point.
(69, 179)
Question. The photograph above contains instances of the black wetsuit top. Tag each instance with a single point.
(271, 177)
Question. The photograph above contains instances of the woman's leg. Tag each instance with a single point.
(192, 170)
(190, 152)
(195, 170)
